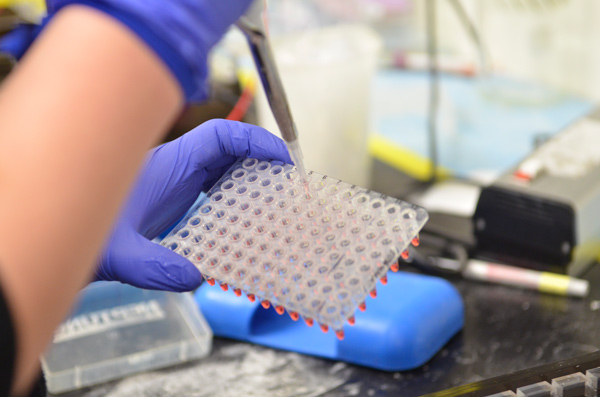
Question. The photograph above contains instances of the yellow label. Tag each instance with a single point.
(554, 283)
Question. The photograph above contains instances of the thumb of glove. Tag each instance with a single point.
(144, 264)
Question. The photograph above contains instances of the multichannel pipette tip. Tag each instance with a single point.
(297, 159)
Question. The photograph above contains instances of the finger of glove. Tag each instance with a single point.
(206, 153)
(157, 210)
(144, 264)
(216, 143)
(178, 171)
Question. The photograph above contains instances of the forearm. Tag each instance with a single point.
(76, 119)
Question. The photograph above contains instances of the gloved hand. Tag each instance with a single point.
(172, 179)
(180, 32)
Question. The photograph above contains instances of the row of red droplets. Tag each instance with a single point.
(309, 321)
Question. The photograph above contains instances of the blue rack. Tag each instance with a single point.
(411, 319)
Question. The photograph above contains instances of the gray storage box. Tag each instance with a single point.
(117, 330)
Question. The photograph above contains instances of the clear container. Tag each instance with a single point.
(117, 330)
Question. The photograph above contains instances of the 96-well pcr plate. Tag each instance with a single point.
(315, 248)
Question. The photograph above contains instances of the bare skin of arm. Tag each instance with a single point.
(76, 119)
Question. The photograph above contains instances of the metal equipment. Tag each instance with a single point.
(251, 26)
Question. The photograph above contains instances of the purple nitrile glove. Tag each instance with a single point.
(180, 32)
(173, 177)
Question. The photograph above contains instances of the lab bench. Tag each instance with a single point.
(506, 329)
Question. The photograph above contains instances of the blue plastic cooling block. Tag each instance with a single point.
(411, 319)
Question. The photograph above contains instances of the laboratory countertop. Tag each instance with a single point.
(506, 329)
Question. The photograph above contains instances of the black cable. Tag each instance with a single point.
(438, 255)
(430, 9)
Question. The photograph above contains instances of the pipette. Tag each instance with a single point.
(250, 25)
